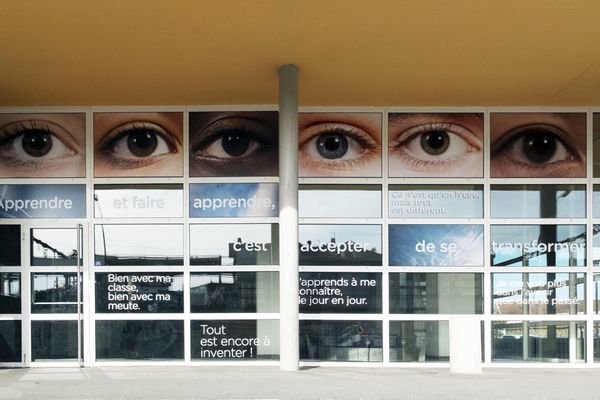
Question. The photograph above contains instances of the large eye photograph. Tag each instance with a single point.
(234, 144)
(42, 145)
(339, 144)
(537, 145)
(138, 144)
(435, 144)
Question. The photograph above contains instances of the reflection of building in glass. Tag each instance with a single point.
(334, 253)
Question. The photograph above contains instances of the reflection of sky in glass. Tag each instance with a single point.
(370, 234)
(108, 201)
(508, 291)
(139, 240)
(62, 240)
(468, 239)
(236, 191)
(340, 203)
(214, 240)
(441, 201)
(525, 201)
(526, 234)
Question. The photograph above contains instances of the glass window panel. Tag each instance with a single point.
(341, 341)
(10, 293)
(54, 292)
(340, 244)
(436, 293)
(419, 341)
(138, 244)
(53, 340)
(54, 246)
(235, 340)
(10, 245)
(143, 292)
(597, 293)
(10, 341)
(436, 245)
(340, 201)
(234, 292)
(538, 201)
(537, 341)
(139, 340)
(596, 341)
(435, 201)
(140, 200)
(596, 144)
(239, 244)
(538, 245)
(340, 292)
(539, 293)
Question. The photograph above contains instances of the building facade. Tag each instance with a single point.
(151, 235)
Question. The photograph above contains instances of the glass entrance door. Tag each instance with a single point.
(53, 280)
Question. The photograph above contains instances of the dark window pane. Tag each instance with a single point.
(538, 293)
(53, 340)
(10, 341)
(10, 245)
(138, 244)
(56, 247)
(436, 201)
(235, 340)
(139, 340)
(54, 292)
(419, 341)
(340, 244)
(144, 292)
(10, 293)
(537, 340)
(339, 201)
(140, 200)
(436, 293)
(340, 292)
(229, 244)
(538, 201)
(249, 292)
(341, 341)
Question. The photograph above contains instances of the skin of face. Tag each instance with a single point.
(463, 158)
(67, 130)
(208, 157)
(108, 163)
(363, 134)
(507, 158)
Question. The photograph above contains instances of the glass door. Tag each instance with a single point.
(54, 281)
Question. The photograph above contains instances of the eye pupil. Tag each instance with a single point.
(142, 142)
(235, 144)
(332, 145)
(435, 142)
(539, 147)
(37, 143)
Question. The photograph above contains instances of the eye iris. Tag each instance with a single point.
(142, 142)
(235, 144)
(435, 142)
(332, 145)
(37, 143)
(539, 147)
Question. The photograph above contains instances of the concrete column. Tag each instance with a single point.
(288, 217)
(465, 345)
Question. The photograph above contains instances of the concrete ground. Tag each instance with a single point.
(312, 383)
